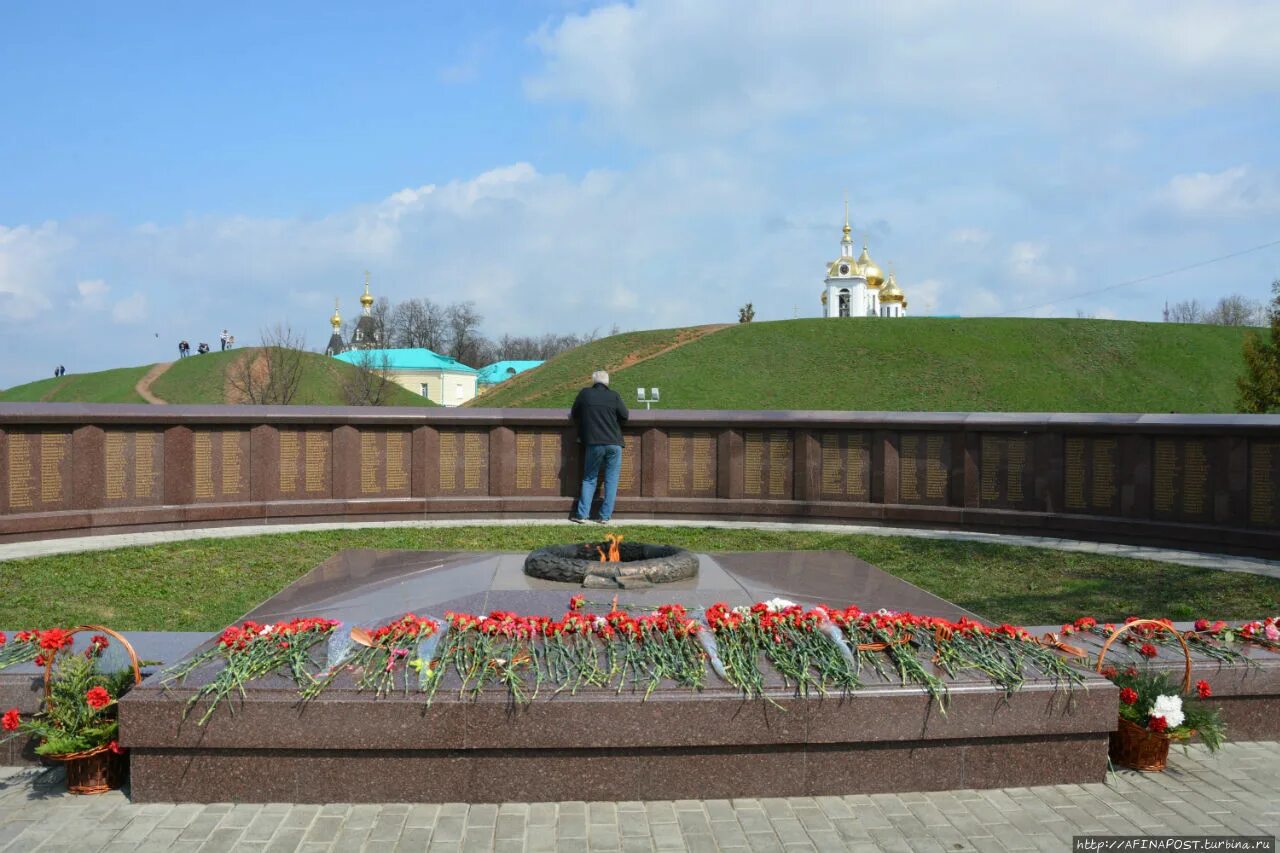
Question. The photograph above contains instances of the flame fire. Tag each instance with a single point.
(614, 554)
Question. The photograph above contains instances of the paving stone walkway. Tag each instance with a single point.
(1232, 792)
(1220, 562)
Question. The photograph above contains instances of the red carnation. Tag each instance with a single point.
(1202, 624)
(3, 638)
(54, 639)
(116, 748)
(1128, 696)
(576, 602)
(1109, 672)
(1202, 687)
(1158, 725)
(98, 698)
(1148, 650)
(9, 722)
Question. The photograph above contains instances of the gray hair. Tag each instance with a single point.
(601, 376)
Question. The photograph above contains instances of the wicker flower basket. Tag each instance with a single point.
(1131, 745)
(98, 770)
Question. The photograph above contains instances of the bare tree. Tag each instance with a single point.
(1187, 311)
(419, 323)
(465, 342)
(381, 314)
(271, 374)
(368, 382)
(1236, 310)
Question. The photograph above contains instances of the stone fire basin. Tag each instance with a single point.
(641, 566)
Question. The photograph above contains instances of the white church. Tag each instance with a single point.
(855, 287)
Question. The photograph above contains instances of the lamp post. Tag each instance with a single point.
(648, 401)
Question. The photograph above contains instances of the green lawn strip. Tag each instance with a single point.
(919, 364)
(203, 585)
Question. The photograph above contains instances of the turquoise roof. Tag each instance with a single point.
(404, 359)
(492, 374)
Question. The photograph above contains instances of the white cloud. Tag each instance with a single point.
(969, 237)
(1028, 263)
(130, 311)
(1237, 191)
(93, 294)
(662, 70)
(28, 256)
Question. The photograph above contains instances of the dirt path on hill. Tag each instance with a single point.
(631, 359)
(144, 384)
(261, 370)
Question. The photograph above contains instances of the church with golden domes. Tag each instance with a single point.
(367, 334)
(856, 287)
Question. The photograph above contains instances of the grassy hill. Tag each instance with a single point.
(105, 386)
(917, 364)
(194, 380)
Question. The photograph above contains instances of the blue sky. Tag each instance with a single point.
(167, 171)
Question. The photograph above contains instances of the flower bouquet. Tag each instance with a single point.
(78, 725)
(1155, 711)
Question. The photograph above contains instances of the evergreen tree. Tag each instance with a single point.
(1260, 385)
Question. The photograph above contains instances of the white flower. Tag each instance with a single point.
(1169, 707)
(601, 622)
(776, 604)
(742, 609)
(266, 629)
(883, 612)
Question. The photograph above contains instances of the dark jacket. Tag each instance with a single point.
(600, 414)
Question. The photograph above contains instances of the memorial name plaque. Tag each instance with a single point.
(767, 464)
(384, 463)
(1180, 477)
(691, 464)
(1264, 483)
(924, 468)
(38, 471)
(538, 462)
(1091, 473)
(220, 466)
(464, 462)
(134, 468)
(845, 466)
(1006, 475)
(305, 464)
(629, 475)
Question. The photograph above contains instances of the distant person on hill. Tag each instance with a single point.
(202, 349)
(184, 349)
(223, 339)
(62, 371)
(599, 413)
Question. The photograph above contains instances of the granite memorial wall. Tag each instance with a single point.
(1191, 481)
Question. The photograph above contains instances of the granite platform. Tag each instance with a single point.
(599, 744)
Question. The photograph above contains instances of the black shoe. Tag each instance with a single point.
(576, 520)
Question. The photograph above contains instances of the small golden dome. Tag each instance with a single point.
(367, 298)
(336, 319)
(842, 268)
(891, 292)
(869, 269)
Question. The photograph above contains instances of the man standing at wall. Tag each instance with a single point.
(599, 413)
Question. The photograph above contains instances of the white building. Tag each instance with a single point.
(856, 287)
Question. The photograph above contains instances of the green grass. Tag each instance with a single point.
(104, 386)
(203, 585)
(199, 379)
(917, 364)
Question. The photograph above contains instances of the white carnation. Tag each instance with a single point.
(1169, 707)
(776, 604)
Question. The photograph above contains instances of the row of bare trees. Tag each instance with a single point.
(455, 330)
(1233, 310)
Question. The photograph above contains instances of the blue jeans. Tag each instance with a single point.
(611, 456)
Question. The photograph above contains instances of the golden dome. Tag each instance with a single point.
(869, 270)
(891, 292)
(367, 298)
(336, 319)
